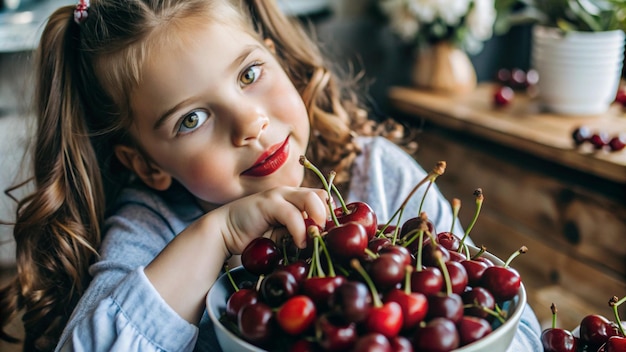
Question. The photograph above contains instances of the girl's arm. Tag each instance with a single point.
(201, 249)
(129, 308)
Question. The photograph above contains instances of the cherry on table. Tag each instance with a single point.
(556, 339)
(596, 329)
(581, 134)
(599, 139)
(618, 142)
(503, 96)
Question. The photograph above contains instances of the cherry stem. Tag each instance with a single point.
(430, 183)
(522, 250)
(438, 170)
(420, 249)
(331, 267)
(407, 279)
(444, 270)
(359, 268)
(480, 252)
(478, 193)
(554, 310)
(456, 206)
(230, 277)
(614, 302)
(307, 164)
(486, 309)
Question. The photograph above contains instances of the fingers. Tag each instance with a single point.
(306, 203)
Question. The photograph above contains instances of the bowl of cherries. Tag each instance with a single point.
(360, 285)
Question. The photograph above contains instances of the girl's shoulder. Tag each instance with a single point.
(175, 202)
(380, 152)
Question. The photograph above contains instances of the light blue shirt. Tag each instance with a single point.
(122, 311)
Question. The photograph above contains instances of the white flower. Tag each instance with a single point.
(468, 22)
(481, 18)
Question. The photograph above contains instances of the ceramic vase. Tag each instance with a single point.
(445, 68)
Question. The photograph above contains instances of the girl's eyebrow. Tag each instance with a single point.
(246, 51)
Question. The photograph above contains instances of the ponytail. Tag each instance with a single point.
(57, 227)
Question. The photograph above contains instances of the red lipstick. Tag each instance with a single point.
(270, 161)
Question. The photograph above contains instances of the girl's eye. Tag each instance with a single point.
(192, 121)
(250, 75)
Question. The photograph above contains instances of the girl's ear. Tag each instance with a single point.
(270, 45)
(153, 176)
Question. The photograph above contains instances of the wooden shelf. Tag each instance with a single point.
(521, 125)
(525, 162)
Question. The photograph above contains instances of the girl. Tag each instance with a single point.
(169, 136)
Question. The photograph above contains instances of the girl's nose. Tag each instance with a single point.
(248, 126)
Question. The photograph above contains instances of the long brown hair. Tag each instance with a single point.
(85, 74)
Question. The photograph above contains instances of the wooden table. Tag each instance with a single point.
(566, 203)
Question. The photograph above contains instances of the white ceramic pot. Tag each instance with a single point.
(579, 72)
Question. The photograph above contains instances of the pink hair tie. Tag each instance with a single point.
(80, 12)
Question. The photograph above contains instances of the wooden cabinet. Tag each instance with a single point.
(566, 204)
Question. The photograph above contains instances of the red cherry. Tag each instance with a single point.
(596, 329)
(439, 334)
(448, 240)
(475, 270)
(359, 212)
(458, 276)
(414, 306)
(502, 282)
(503, 76)
(261, 256)
(503, 96)
(256, 323)
(238, 300)
(556, 339)
(352, 300)
(296, 315)
(347, 241)
(442, 305)
(372, 342)
(618, 142)
(334, 333)
(400, 344)
(386, 271)
(472, 329)
(402, 254)
(599, 139)
(277, 287)
(581, 135)
(518, 78)
(320, 289)
(614, 344)
(386, 319)
(428, 281)
(478, 297)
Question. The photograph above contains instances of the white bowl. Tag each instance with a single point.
(498, 340)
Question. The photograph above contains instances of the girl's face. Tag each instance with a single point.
(218, 114)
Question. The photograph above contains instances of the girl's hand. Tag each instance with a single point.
(272, 213)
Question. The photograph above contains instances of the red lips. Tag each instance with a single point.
(270, 161)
